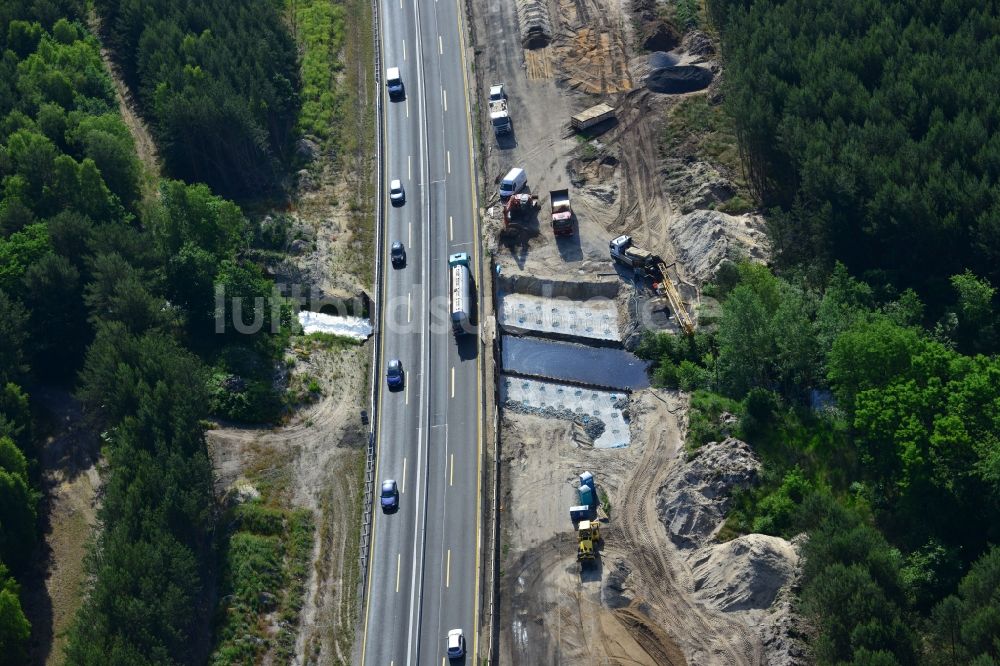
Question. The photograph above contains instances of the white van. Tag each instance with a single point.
(513, 182)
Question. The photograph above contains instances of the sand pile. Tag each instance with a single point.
(749, 577)
(706, 238)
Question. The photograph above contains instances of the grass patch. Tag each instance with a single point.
(265, 560)
(712, 418)
(696, 127)
(318, 27)
(337, 517)
(357, 135)
(320, 340)
(605, 502)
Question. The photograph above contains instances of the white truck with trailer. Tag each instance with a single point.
(499, 110)
(461, 293)
(625, 252)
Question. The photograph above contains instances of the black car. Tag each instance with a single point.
(398, 255)
(390, 496)
(394, 375)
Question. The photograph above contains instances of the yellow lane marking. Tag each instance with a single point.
(399, 567)
(479, 359)
(378, 435)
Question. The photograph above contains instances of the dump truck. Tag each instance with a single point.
(625, 252)
(499, 110)
(562, 213)
(592, 116)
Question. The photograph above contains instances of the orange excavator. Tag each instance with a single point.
(517, 206)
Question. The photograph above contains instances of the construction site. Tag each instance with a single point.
(606, 540)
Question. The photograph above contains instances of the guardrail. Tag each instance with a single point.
(367, 521)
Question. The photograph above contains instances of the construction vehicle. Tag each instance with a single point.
(625, 252)
(562, 213)
(666, 290)
(585, 553)
(515, 208)
(499, 110)
(588, 530)
(647, 264)
(587, 535)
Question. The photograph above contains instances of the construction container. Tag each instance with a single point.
(586, 495)
(587, 479)
(581, 512)
(592, 116)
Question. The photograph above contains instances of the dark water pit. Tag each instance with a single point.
(579, 364)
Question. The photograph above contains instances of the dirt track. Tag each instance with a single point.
(637, 605)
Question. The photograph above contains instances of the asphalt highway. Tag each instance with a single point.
(423, 568)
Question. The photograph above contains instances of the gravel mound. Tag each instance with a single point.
(698, 43)
(592, 425)
(706, 238)
(536, 27)
(679, 79)
(693, 502)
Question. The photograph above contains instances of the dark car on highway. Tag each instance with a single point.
(398, 255)
(390, 496)
(394, 375)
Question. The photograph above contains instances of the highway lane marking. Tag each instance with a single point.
(444, 98)
(406, 394)
(404, 41)
(440, 46)
(449, 160)
(451, 474)
(451, 229)
(413, 637)
(447, 571)
(399, 567)
(409, 313)
(409, 170)
(453, 381)
(407, 107)
(402, 486)
(409, 234)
